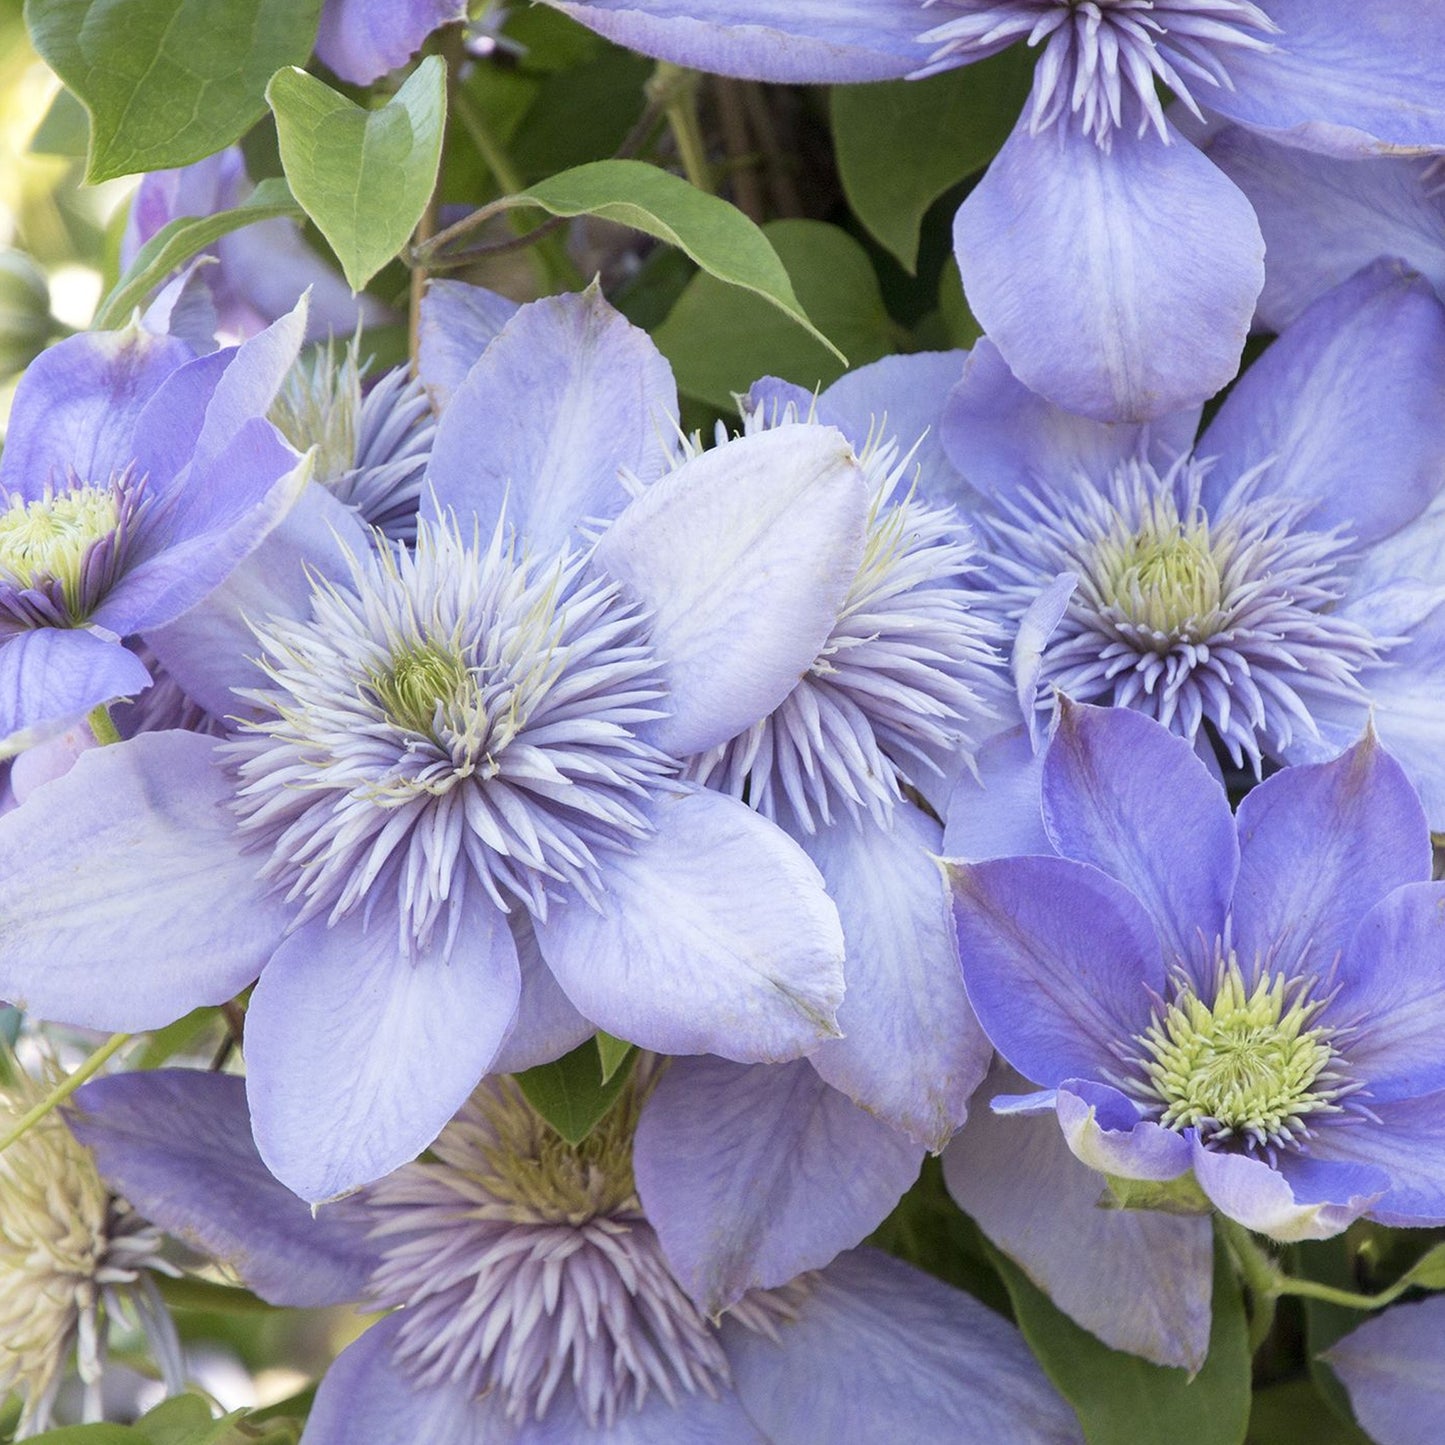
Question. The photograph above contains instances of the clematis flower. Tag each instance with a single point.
(1250, 1023)
(135, 476)
(73, 1260)
(1098, 220)
(1266, 590)
(363, 39)
(1394, 1369)
(532, 1301)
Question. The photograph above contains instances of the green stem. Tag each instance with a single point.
(1292, 1284)
(1261, 1278)
(65, 1088)
(101, 725)
(676, 89)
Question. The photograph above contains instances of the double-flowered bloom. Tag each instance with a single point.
(1098, 220)
(1250, 1019)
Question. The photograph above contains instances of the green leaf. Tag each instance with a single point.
(1294, 1414)
(364, 176)
(186, 1420)
(90, 1435)
(570, 1093)
(164, 1044)
(177, 241)
(167, 82)
(1428, 1272)
(902, 143)
(723, 241)
(1123, 1400)
(612, 1053)
(720, 343)
(189, 1293)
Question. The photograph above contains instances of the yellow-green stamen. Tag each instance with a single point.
(422, 681)
(46, 540)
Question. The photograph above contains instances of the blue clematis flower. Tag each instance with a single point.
(533, 1303)
(1097, 220)
(1394, 1369)
(1251, 1022)
(135, 477)
(363, 39)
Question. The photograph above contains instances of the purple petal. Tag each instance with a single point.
(1405, 1145)
(1060, 963)
(753, 1174)
(1104, 775)
(1319, 847)
(1324, 218)
(1347, 77)
(177, 1144)
(357, 1056)
(1106, 1131)
(458, 323)
(363, 39)
(547, 1026)
(843, 40)
(52, 675)
(1354, 389)
(742, 558)
(1000, 813)
(692, 1419)
(568, 398)
(1147, 257)
(171, 422)
(127, 899)
(714, 936)
(367, 1396)
(912, 1052)
(882, 1352)
(1394, 1368)
(1319, 1199)
(1138, 1279)
(77, 406)
(1003, 437)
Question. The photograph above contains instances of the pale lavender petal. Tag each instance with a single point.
(883, 1352)
(127, 899)
(1106, 1131)
(753, 1174)
(1139, 1279)
(912, 1052)
(363, 39)
(693, 1419)
(357, 1055)
(841, 40)
(547, 1025)
(1000, 813)
(53, 675)
(1060, 962)
(1147, 257)
(569, 398)
(1106, 771)
(1393, 1365)
(177, 1144)
(1321, 1198)
(714, 936)
(458, 323)
(1404, 1144)
(742, 558)
(1319, 847)
(1362, 442)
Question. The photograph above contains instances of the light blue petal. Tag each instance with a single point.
(1405, 1146)
(1146, 257)
(54, 675)
(546, 1026)
(1106, 1131)
(357, 1056)
(714, 936)
(1319, 1199)
(1393, 1365)
(999, 813)
(695, 1419)
(363, 39)
(458, 323)
(753, 1174)
(1139, 1279)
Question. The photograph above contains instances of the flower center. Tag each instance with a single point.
(318, 406)
(1164, 578)
(47, 540)
(1251, 1064)
(426, 687)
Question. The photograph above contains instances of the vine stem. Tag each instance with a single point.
(1261, 1277)
(65, 1088)
(101, 726)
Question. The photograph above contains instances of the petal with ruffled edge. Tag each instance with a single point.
(1105, 1130)
(1003, 437)
(753, 1174)
(1139, 1279)
(1147, 257)
(881, 1351)
(999, 813)
(357, 1056)
(368, 1396)
(1060, 961)
(742, 559)
(1394, 1369)
(714, 936)
(458, 322)
(1120, 792)
(1319, 847)
(77, 407)
(1347, 77)
(547, 1026)
(840, 40)
(1323, 218)
(912, 1052)
(1354, 390)
(1304, 1198)
(126, 897)
(53, 675)
(568, 398)
(177, 1144)
(363, 39)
